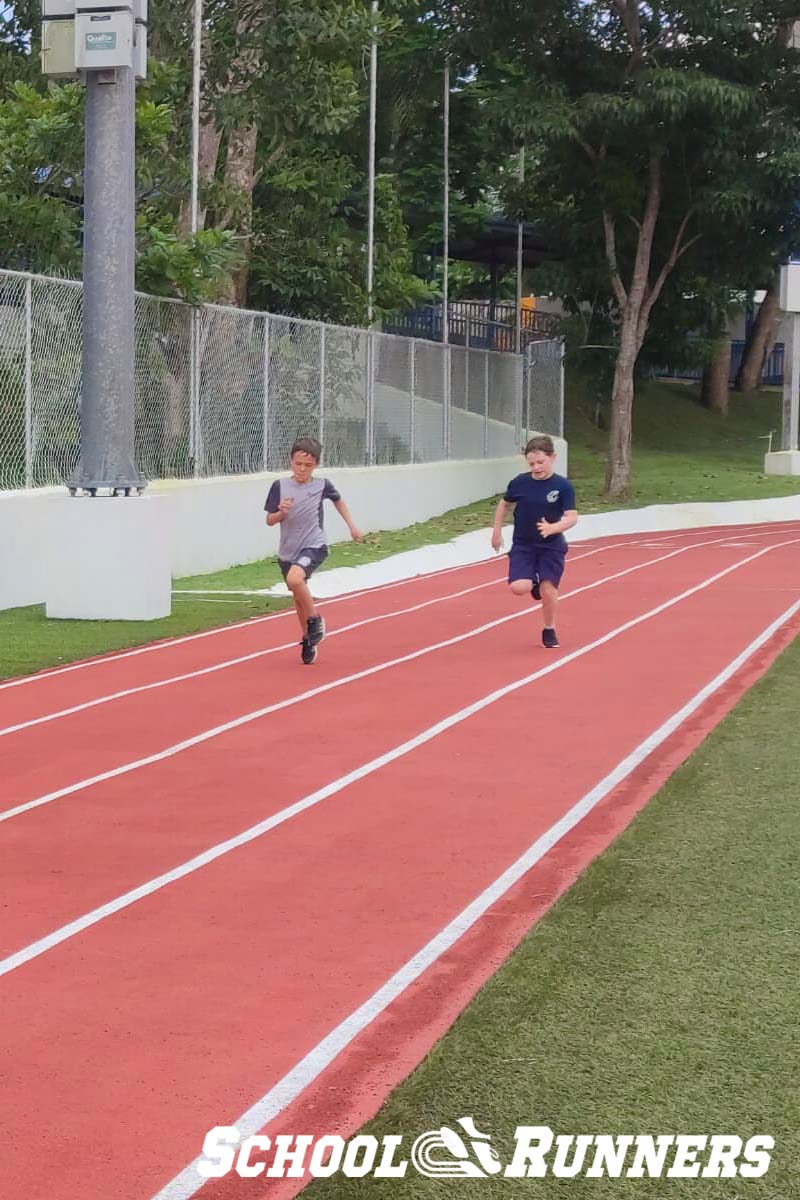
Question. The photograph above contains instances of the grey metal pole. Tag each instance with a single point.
(791, 389)
(518, 324)
(446, 271)
(265, 386)
(486, 404)
(446, 215)
(28, 382)
(108, 379)
(197, 52)
(322, 384)
(373, 92)
(370, 423)
(412, 431)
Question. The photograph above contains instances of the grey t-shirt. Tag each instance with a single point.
(302, 528)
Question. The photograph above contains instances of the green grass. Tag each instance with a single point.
(659, 995)
(682, 452)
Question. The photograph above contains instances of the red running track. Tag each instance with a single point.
(264, 889)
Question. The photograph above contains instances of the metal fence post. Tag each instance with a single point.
(486, 404)
(517, 360)
(446, 401)
(413, 415)
(322, 384)
(28, 382)
(561, 389)
(265, 447)
(466, 379)
(194, 397)
(370, 430)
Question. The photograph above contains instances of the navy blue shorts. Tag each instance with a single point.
(308, 559)
(538, 563)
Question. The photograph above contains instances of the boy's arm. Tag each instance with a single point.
(344, 513)
(500, 514)
(570, 518)
(277, 509)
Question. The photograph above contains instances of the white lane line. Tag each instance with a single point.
(189, 1182)
(58, 936)
(250, 622)
(298, 698)
(243, 658)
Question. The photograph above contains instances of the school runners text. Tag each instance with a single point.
(462, 1151)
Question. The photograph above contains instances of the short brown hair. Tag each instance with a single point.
(543, 443)
(307, 446)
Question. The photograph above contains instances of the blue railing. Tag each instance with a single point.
(469, 326)
(773, 368)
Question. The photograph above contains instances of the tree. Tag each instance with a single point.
(41, 205)
(651, 130)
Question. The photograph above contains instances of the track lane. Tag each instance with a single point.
(204, 983)
(149, 820)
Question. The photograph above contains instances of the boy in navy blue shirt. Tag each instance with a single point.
(544, 508)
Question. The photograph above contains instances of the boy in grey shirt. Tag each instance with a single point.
(296, 505)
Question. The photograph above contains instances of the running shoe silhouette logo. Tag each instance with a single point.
(476, 1161)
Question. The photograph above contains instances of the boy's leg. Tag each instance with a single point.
(550, 568)
(303, 600)
(549, 603)
(520, 571)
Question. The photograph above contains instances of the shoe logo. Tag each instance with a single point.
(305, 561)
(552, 497)
(458, 1161)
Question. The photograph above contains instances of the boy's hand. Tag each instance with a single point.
(497, 542)
(356, 534)
(284, 506)
(545, 529)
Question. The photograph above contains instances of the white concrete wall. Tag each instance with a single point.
(217, 523)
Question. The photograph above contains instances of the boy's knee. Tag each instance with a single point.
(521, 587)
(295, 578)
(548, 589)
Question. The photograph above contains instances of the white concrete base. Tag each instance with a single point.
(109, 558)
(782, 462)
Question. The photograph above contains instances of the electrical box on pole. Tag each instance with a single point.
(92, 35)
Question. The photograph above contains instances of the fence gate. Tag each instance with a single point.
(544, 387)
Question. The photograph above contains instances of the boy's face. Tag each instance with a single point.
(542, 465)
(303, 466)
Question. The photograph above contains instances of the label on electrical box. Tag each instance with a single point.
(101, 41)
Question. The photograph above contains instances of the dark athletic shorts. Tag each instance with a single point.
(308, 559)
(538, 563)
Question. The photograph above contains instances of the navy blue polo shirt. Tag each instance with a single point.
(536, 499)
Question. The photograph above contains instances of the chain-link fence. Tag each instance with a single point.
(224, 391)
(544, 387)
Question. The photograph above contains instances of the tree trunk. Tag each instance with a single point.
(618, 464)
(240, 180)
(715, 388)
(762, 333)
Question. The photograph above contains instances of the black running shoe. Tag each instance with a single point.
(308, 653)
(316, 630)
(549, 639)
(536, 591)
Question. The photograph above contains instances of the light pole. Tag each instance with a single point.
(373, 116)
